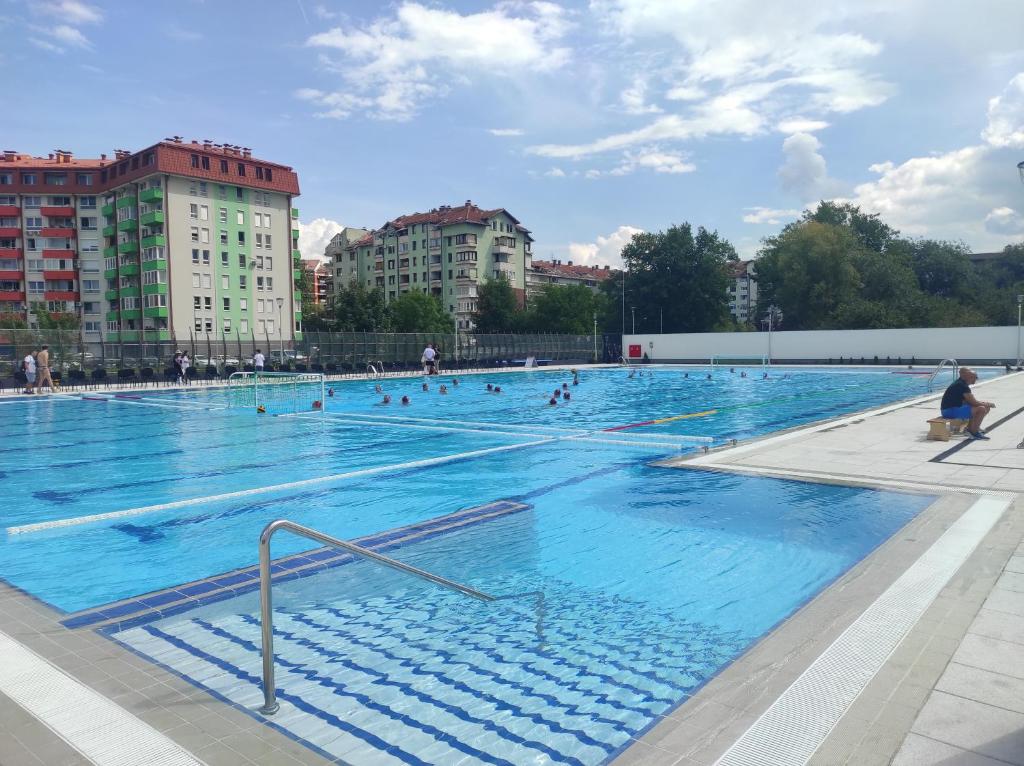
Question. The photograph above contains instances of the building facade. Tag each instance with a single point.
(447, 252)
(340, 260)
(742, 291)
(554, 272)
(321, 279)
(179, 240)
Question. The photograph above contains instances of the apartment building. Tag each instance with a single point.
(447, 252)
(554, 272)
(742, 291)
(340, 260)
(179, 240)
(321, 279)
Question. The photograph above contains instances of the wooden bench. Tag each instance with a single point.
(940, 429)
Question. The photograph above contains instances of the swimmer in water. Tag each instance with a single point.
(567, 396)
(443, 389)
(743, 374)
(386, 399)
(330, 392)
(455, 381)
(377, 389)
(490, 387)
(575, 376)
(765, 376)
(405, 400)
(497, 389)
(552, 400)
(565, 386)
(709, 376)
(426, 387)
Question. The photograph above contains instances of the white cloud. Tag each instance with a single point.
(45, 45)
(1006, 116)
(315, 235)
(505, 131)
(685, 93)
(804, 170)
(652, 159)
(70, 36)
(634, 99)
(604, 250)
(1005, 221)
(336, 105)
(800, 125)
(769, 216)
(555, 173)
(397, 62)
(71, 11)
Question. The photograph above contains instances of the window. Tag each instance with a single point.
(259, 283)
(224, 258)
(195, 255)
(205, 162)
(262, 326)
(208, 325)
(242, 281)
(195, 280)
(207, 281)
(206, 257)
(243, 304)
(32, 201)
(259, 172)
(195, 160)
(259, 306)
(33, 223)
(259, 261)
(197, 302)
(227, 325)
(204, 212)
(205, 237)
(268, 263)
(241, 260)
(6, 179)
(10, 199)
(270, 283)
(91, 285)
(259, 240)
(257, 219)
(225, 282)
(87, 203)
(266, 219)
(239, 194)
(207, 302)
(240, 218)
(203, 189)
(83, 179)
(36, 287)
(241, 169)
(243, 326)
(199, 325)
(270, 326)
(266, 241)
(194, 233)
(223, 214)
(222, 190)
(270, 175)
(223, 167)
(241, 239)
(93, 326)
(29, 179)
(193, 211)
(227, 304)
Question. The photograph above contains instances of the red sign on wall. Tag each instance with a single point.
(634, 351)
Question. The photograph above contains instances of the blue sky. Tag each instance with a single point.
(587, 120)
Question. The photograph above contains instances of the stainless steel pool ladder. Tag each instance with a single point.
(270, 705)
(952, 362)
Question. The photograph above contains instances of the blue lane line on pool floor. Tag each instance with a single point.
(153, 606)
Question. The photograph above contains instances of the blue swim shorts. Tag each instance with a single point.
(963, 412)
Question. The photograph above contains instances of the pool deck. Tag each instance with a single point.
(951, 692)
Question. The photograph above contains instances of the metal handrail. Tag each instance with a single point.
(270, 705)
(938, 369)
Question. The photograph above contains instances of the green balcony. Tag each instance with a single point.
(295, 234)
(156, 265)
(155, 240)
(155, 311)
(129, 270)
(128, 224)
(297, 255)
(295, 212)
(110, 252)
(298, 335)
(160, 288)
(158, 334)
(113, 316)
(131, 314)
(107, 209)
(297, 295)
(128, 201)
(151, 195)
(128, 291)
(298, 315)
(297, 275)
(131, 246)
(110, 295)
(109, 231)
(112, 336)
(153, 218)
(110, 274)
(131, 336)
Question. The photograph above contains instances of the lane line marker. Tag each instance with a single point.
(79, 520)
(102, 731)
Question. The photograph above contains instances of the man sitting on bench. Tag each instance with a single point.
(958, 403)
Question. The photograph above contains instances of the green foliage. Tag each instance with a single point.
(869, 230)
(54, 321)
(305, 284)
(357, 309)
(12, 322)
(419, 312)
(564, 309)
(497, 308)
(676, 279)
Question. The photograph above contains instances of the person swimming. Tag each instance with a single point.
(443, 389)
(709, 376)
(575, 376)
(455, 381)
(552, 400)
(764, 376)
(743, 374)
(565, 386)
(330, 392)
(497, 389)
(405, 400)
(426, 387)
(490, 387)
(377, 389)
(386, 399)
(567, 396)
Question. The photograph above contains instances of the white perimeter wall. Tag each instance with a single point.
(962, 343)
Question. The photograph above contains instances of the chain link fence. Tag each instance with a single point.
(334, 352)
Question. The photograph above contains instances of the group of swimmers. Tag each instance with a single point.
(559, 393)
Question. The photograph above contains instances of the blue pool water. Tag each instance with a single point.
(624, 586)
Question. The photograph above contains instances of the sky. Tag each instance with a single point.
(588, 120)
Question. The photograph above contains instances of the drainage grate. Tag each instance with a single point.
(796, 724)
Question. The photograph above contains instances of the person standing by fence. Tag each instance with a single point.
(43, 369)
(28, 366)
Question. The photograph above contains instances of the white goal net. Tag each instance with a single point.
(277, 393)
(732, 360)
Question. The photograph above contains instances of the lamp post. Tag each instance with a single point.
(280, 326)
(661, 321)
(632, 313)
(1020, 302)
(595, 337)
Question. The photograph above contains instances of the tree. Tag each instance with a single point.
(676, 279)
(419, 312)
(869, 229)
(357, 309)
(808, 272)
(52, 321)
(305, 284)
(564, 309)
(496, 307)
(12, 322)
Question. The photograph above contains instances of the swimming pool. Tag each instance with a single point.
(625, 586)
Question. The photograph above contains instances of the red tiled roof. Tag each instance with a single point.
(598, 273)
(446, 214)
(740, 269)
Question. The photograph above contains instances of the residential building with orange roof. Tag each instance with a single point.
(555, 272)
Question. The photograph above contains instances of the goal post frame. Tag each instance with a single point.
(239, 379)
(716, 360)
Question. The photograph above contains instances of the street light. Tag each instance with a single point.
(280, 326)
(632, 312)
(595, 337)
(1020, 302)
